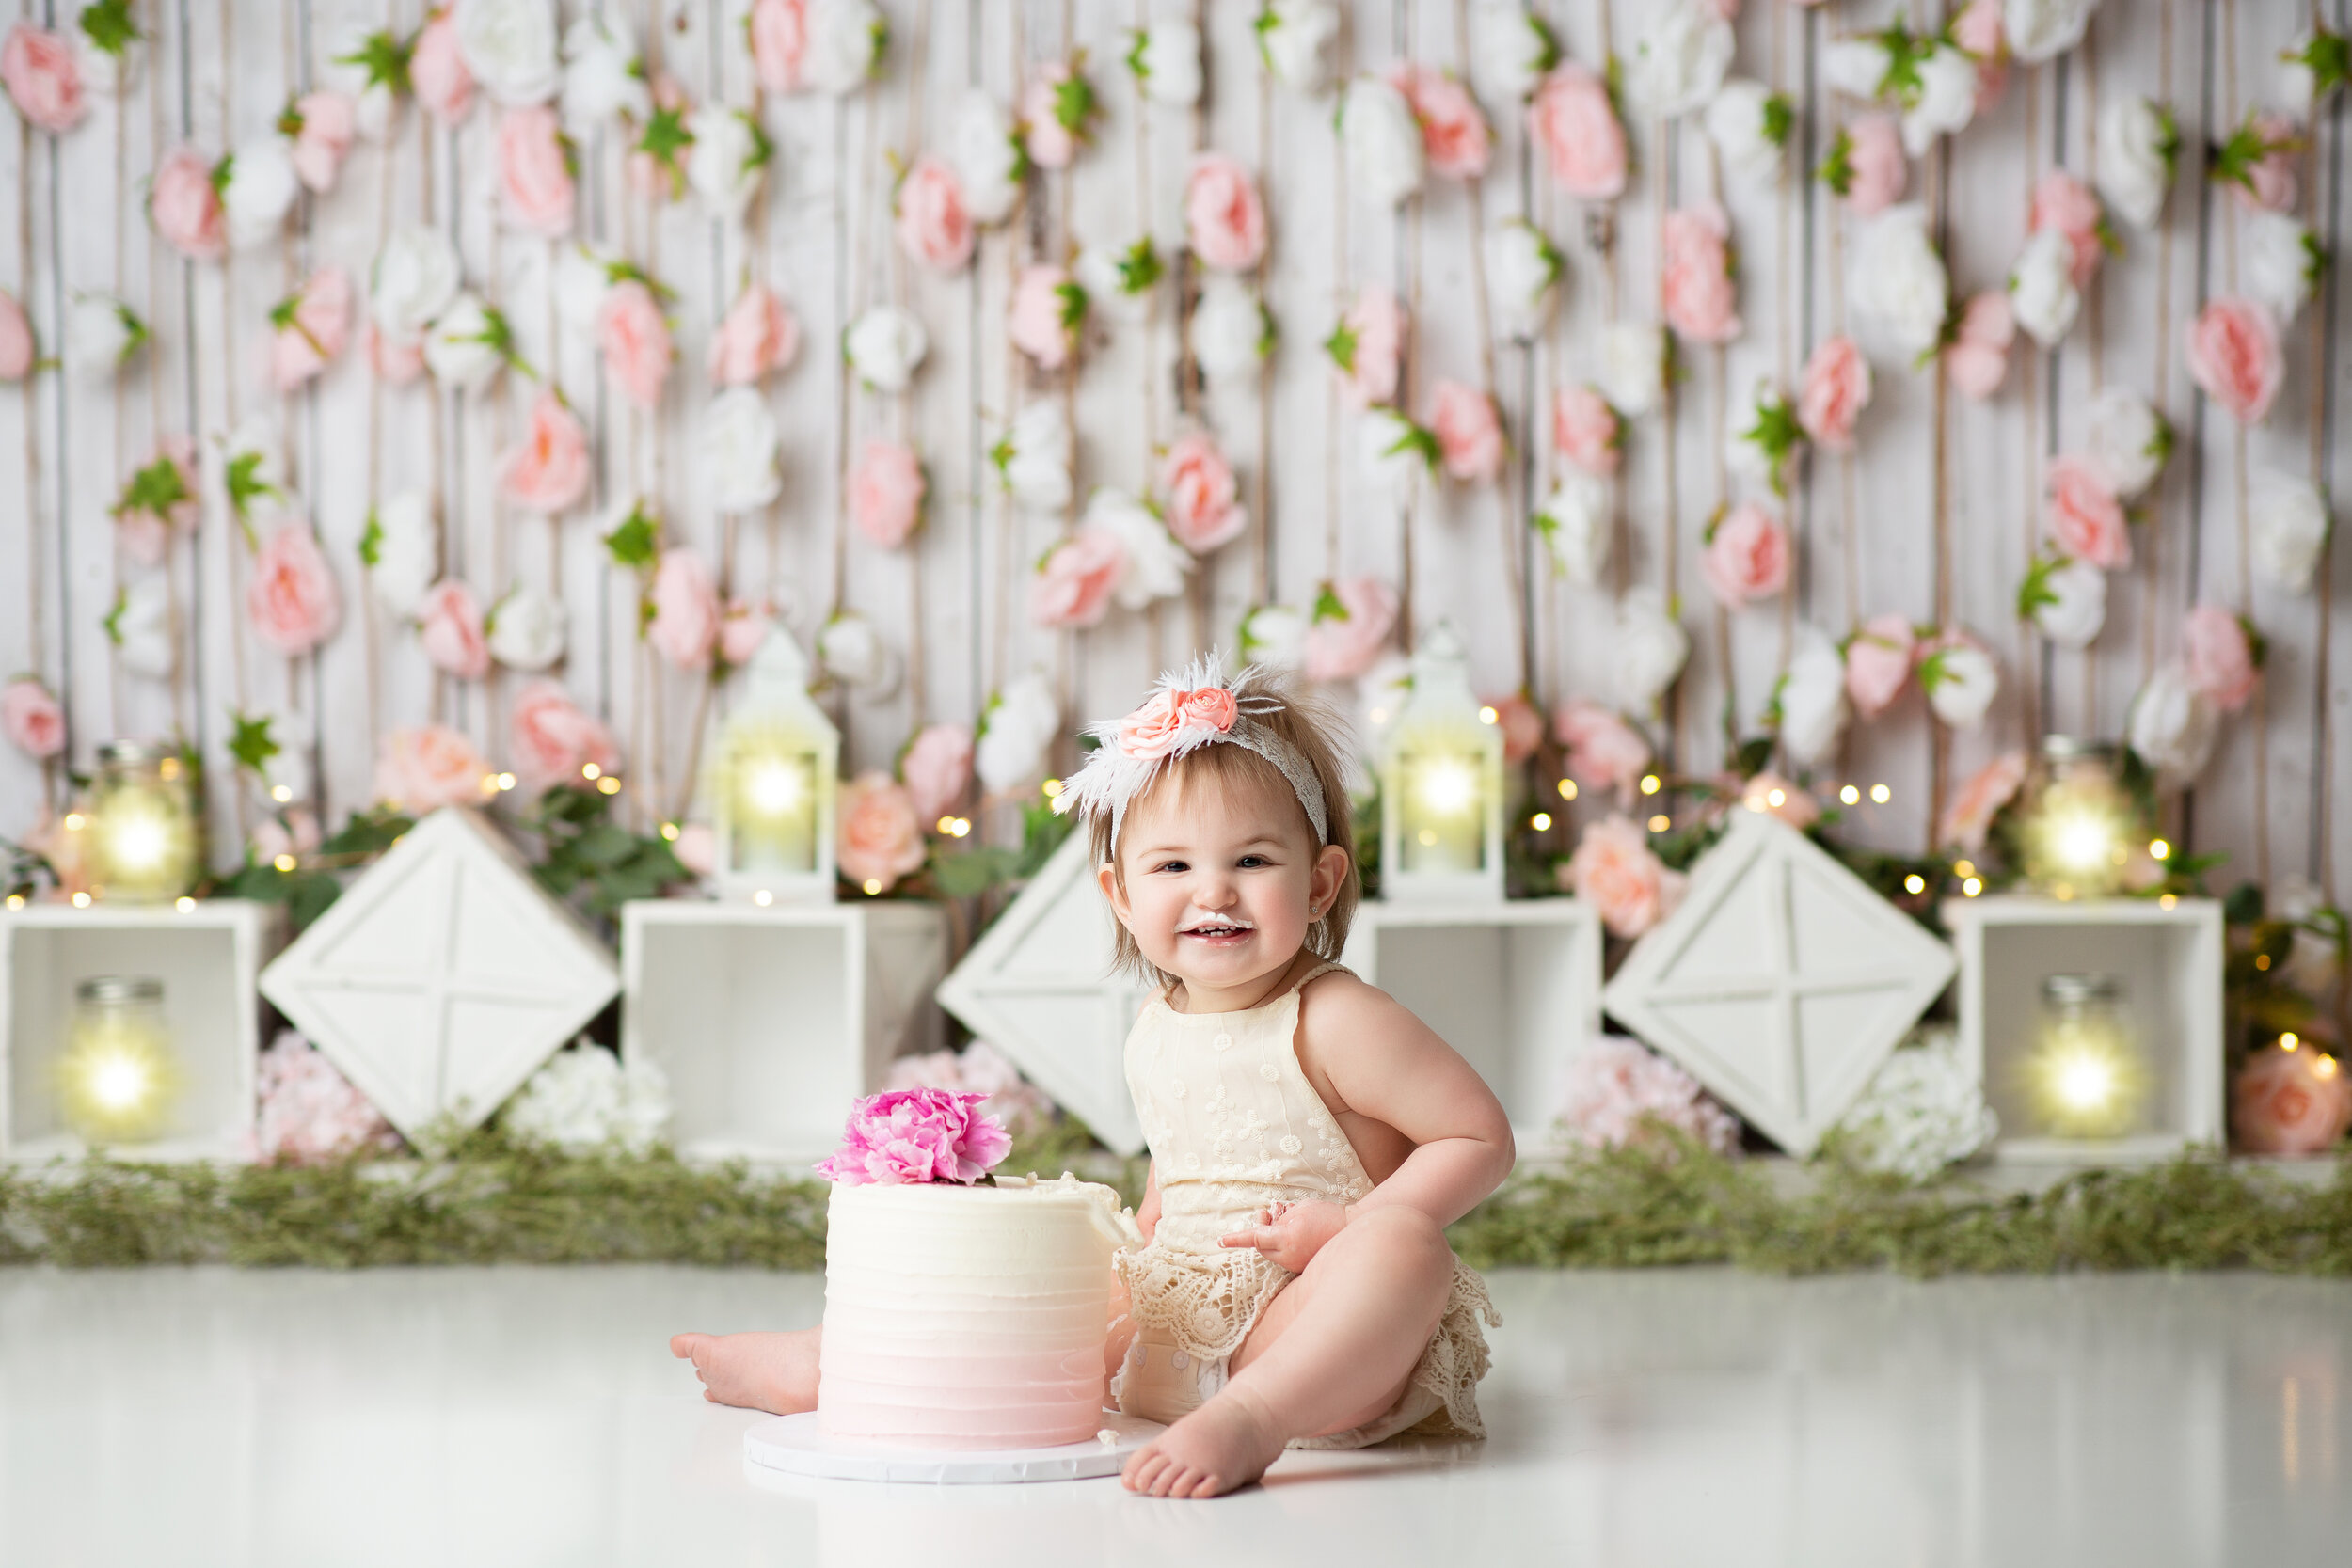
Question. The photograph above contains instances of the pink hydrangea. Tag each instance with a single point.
(904, 1137)
(979, 1068)
(1619, 1093)
(308, 1114)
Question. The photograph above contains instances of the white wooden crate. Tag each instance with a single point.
(2170, 961)
(769, 1022)
(209, 956)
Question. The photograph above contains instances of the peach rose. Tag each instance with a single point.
(549, 473)
(291, 599)
(635, 342)
(449, 627)
(312, 329)
(1453, 133)
(1038, 319)
(2067, 205)
(2086, 518)
(1976, 358)
(1168, 715)
(1572, 120)
(1369, 346)
(1469, 432)
(1614, 870)
(760, 334)
(396, 361)
(2294, 1102)
(1522, 727)
(1349, 628)
(1201, 495)
(428, 768)
(743, 628)
(16, 340)
(881, 838)
(2233, 357)
(1072, 586)
(1970, 813)
(1874, 161)
(144, 531)
(1224, 220)
(550, 739)
(1699, 300)
(324, 125)
(937, 768)
(34, 721)
(437, 70)
(2222, 663)
(934, 226)
(535, 170)
(1835, 390)
(184, 207)
(1585, 430)
(686, 614)
(2271, 183)
(779, 35)
(45, 77)
(1795, 806)
(1878, 663)
(1747, 557)
(887, 492)
(1604, 751)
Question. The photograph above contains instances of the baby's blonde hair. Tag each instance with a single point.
(1314, 729)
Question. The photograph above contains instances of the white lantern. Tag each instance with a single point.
(773, 785)
(1441, 785)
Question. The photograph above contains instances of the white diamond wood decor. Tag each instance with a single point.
(1781, 982)
(442, 976)
(1039, 987)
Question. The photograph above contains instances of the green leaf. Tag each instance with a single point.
(222, 173)
(251, 744)
(1074, 101)
(2035, 591)
(2328, 56)
(1327, 607)
(664, 137)
(1753, 754)
(1776, 434)
(367, 833)
(113, 622)
(763, 146)
(371, 540)
(2235, 160)
(109, 26)
(1073, 297)
(975, 871)
(634, 542)
(1140, 267)
(605, 845)
(246, 485)
(156, 488)
(1000, 455)
(1418, 441)
(1136, 41)
(384, 56)
(1779, 116)
(2244, 906)
(310, 894)
(1836, 171)
(1341, 346)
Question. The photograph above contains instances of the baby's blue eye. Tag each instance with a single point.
(1171, 865)
(1254, 859)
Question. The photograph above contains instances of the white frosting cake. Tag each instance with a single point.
(968, 1317)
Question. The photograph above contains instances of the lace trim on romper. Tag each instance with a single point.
(1235, 1124)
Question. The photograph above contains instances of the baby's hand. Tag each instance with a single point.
(1291, 1234)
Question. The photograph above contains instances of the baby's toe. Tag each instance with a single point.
(684, 1345)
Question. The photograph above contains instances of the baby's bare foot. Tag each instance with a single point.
(775, 1372)
(1221, 1446)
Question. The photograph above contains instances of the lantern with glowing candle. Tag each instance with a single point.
(117, 1078)
(2076, 836)
(144, 845)
(1441, 785)
(773, 783)
(2085, 1076)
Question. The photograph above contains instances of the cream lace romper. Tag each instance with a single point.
(1235, 1125)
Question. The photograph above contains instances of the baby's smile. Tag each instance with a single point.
(1216, 930)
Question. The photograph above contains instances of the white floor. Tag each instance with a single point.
(521, 1416)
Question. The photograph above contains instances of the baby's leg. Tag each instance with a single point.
(775, 1372)
(1122, 1331)
(1333, 1351)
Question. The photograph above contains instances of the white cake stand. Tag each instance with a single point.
(793, 1445)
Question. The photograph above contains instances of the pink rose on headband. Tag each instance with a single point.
(535, 171)
(1878, 663)
(1614, 870)
(1586, 430)
(549, 473)
(1201, 495)
(1700, 302)
(1978, 356)
(760, 334)
(880, 838)
(1469, 432)
(1169, 714)
(2233, 357)
(2086, 518)
(904, 1137)
(1224, 220)
(184, 207)
(1575, 124)
(934, 224)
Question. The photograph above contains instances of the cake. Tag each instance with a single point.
(967, 1317)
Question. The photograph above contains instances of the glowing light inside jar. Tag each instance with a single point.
(2085, 1077)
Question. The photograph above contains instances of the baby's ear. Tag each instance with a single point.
(1106, 875)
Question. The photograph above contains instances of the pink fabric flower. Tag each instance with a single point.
(1522, 727)
(1874, 159)
(184, 207)
(1170, 714)
(2286, 1103)
(449, 627)
(1748, 557)
(323, 139)
(2221, 657)
(1342, 646)
(2067, 205)
(146, 532)
(44, 77)
(1878, 663)
(1585, 430)
(535, 171)
(1224, 221)
(396, 361)
(887, 492)
(2086, 518)
(1604, 751)
(743, 628)
(1835, 390)
(437, 70)
(937, 768)
(1978, 356)
(306, 1112)
(934, 226)
(1469, 432)
(635, 342)
(779, 32)
(1453, 133)
(16, 340)
(291, 599)
(1050, 143)
(34, 721)
(1700, 303)
(697, 848)
(2233, 357)
(1978, 30)
(758, 334)
(1073, 587)
(1615, 872)
(428, 768)
(1035, 319)
(2271, 185)
(685, 625)
(549, 473)
(979, 1068)
(879, 839)
(916, 1135)
(314, 331)
(1371, 334)
(1199, 494)
(1619, 1093)
(1970, 813)
(550, 739)
(1575, 124)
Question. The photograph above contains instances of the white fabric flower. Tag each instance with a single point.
(1274, 635)
(526, 630)
(1574, 521)
(1740, 122)
(1384, 148)
(104, 73)
(885, 346)
(509, 46)
(1017, 726)
(374, 103)
(1812, 697)
(2138, 145)
(729, 154)
(1394, 450)
(1922, 1112)
(288, 767)
(2041, 292)
(2298, 88)
(1232, 333)
(1510, 50)
(260, 191)
(1748, 461)
(1036, 456)
(2311, 963)
(140, 626)
(458, 349)
(583, 275)
(602, 75)
(101, 335)
(1961, 681)
(1522, 266)
(2171, 726)
(1098, 272)
(1898, 280)
(2282, 262)
(1680, 60)
(985, 151)
(586, 1099)
(1631, 366)
(2288, 521)
(845, 45)
(1856, 66)
(1651, 649)
(853, 652)
(400, 552)
(1294, 41)
(1156, 564)
(2130, 440)
(1167, 63)
(1946, 98)
(416, 277)
(2076, 604)
(2037, 29)
(737, 449)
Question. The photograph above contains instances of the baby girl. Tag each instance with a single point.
(1309, 1137)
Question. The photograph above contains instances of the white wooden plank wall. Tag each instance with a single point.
(216, 71)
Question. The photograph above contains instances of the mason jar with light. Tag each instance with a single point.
(117, 1079)
(773, 785)
(1441, 785)
(2078, 834)
(144, 843)
(2085, 1075)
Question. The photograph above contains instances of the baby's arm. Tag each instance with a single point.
(1148, 1212)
